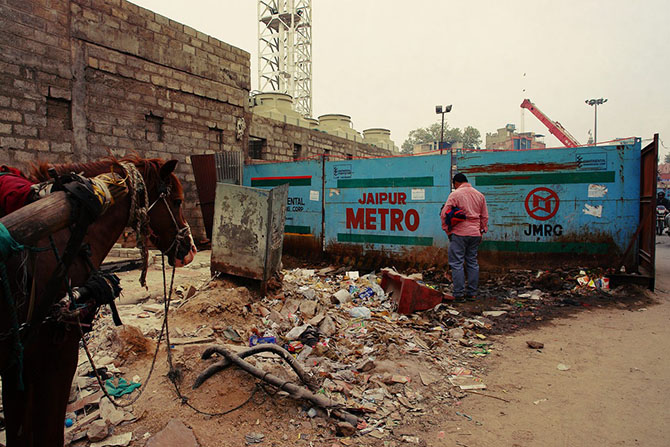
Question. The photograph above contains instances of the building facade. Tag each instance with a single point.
(508, 138)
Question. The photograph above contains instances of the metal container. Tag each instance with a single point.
(248, 231)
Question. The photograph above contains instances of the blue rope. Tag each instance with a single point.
(8, 246)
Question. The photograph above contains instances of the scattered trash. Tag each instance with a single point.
(119, 387)
(562, 367)
(536, 402)
(360, 312)
(467, 382)
(256, 340)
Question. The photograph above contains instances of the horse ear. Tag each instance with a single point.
(168, 168)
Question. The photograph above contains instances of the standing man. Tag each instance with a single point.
(464, 218)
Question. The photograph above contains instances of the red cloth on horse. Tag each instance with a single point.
(14, 190)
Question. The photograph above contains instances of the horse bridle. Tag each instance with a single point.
(182, 233)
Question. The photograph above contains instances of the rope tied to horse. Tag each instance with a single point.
(139, 214)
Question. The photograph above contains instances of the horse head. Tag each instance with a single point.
(168, 230)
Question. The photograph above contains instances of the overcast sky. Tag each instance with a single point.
(387, 63)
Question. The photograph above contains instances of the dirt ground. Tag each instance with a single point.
(610, 390)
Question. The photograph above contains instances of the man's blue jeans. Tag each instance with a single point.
(463, 262)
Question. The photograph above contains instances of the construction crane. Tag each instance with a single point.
(554, 126)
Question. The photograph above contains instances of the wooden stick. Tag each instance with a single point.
(486, 395)
(295, 391)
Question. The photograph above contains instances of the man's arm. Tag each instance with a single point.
(484, 218)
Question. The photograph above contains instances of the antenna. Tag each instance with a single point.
(285, 50)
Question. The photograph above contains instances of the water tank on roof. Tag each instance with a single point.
(279, 107)
(339, 125)
(380, 138)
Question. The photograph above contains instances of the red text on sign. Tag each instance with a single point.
(377, 198)
(382, 219)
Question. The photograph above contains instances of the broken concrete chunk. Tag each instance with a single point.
(97, 431)
(308, 308)
(327, 326)
(341, 296)
(366, 365)
(535, 344)
(456, 333)
(110, 414)
(174, 434)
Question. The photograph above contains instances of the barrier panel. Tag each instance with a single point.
(304, 206)
(545, 206)
(582, 200)
(388, 206)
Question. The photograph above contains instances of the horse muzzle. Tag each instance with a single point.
(185, 251)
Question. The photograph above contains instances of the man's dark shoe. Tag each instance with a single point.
(470, 298)
(459, 299)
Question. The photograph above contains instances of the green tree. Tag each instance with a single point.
(430, 134)
(472, 139)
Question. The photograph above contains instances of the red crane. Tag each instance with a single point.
(554, 126)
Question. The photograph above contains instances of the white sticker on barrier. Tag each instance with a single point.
(418, 194)
(314, 196)
(595, 211)
(597, 190)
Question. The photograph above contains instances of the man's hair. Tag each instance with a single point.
(661, 193)
(460, 178)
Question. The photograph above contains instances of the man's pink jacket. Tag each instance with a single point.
(473, 203)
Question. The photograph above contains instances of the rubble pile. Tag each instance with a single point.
(394, 371)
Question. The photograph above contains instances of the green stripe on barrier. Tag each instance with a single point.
(300, 181)
(384, 239)
(554, 178)
(299, 229)
(390, 182)
(545, 247)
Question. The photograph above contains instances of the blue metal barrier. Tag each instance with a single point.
(386, 204)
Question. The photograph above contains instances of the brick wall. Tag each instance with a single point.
(82, 78)
(280, 139)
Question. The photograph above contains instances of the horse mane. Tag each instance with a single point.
(39, 171)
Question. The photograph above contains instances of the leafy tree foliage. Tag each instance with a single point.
(470, 137)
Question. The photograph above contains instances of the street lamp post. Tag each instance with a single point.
(440, 111)
(595, 103)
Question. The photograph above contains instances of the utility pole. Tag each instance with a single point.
(595, 103)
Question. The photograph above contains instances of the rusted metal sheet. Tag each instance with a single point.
(248, 230)
(647, 239)
(208, 169)
(204, 171)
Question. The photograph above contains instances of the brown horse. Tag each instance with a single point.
(34, 416)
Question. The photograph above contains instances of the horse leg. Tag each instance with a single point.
(17, 407)
(52, 388)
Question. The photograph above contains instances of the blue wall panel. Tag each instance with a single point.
(386, 204)
(582, 200)
(304, 205)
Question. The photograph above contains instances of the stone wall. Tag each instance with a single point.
(281, 138)
(82, 79)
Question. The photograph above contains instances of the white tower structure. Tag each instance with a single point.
(285, 50)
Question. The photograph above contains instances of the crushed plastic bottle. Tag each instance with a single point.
(360, 312)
